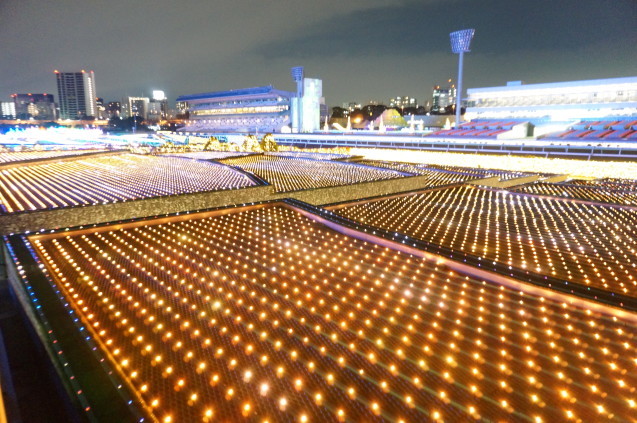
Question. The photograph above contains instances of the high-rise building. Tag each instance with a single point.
(34, 106)
(7, 110)
(76, 94)
(135, 106)
(158, 102)
(443, 97)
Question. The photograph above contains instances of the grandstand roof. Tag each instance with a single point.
(632, 80)
(268, 89)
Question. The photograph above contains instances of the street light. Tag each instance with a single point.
(460, 43)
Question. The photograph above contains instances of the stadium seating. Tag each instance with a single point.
(606, 130)
(478, 129)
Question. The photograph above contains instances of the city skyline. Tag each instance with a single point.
(361, 50)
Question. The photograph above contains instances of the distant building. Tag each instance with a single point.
(158, 106)
(403, 102)
(7, 110)
(258, 109)
(113, 108)
(135, 106)
(555, 101)
(76, 94)
(351, 106)
(34, 106)
(155, 112)
(443, 97)
(311, 106)
(244, 110)
(101, 109)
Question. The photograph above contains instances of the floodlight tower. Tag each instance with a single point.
(460, 43)
(297, 76)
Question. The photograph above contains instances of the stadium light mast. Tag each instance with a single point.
(460, 43)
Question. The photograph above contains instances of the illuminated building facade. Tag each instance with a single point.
(443, 97)
(158, 106)
(34, 106)
(135, 106)
(101, 109)
(113, 108)
(556, 101)
(258, 109)
(402, 102)
(76, 94)
(7, 110)
(243, 110)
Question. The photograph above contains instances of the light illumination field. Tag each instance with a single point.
(208, 155)
(609, 183)
(438, 176)
(576, 168)
(267, 315)
(293, 174)
(592, 245)
(597, 193)
(110, 179)
(18, 156)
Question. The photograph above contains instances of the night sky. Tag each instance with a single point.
(362, 49)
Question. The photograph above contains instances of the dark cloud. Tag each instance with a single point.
(362, 49)
(502, 26)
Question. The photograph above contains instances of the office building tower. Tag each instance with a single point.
(76, 94)
(160, 101)
(443, 97)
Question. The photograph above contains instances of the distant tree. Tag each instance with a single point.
(251, 144)
(420, 110)
(339, 112)
(213, 144)
(268, 143)
(372, 111)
